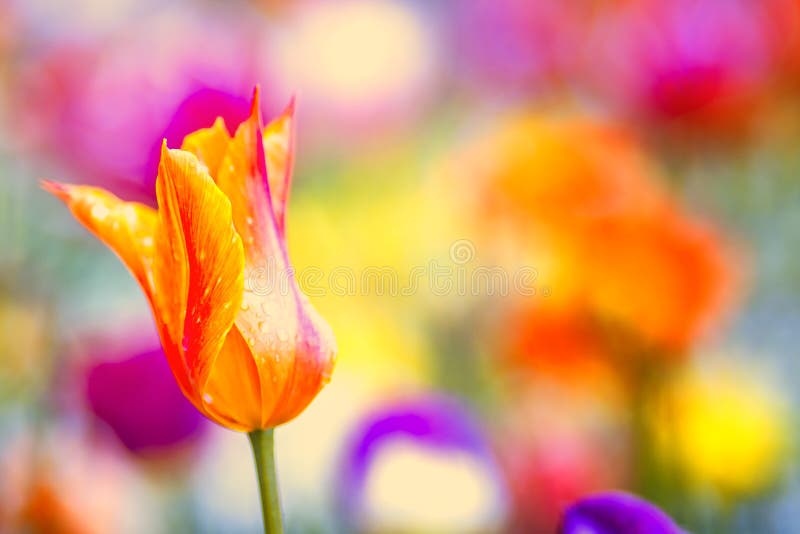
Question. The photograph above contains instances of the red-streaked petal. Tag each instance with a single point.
(209, 145)
(243, 178)
(313, 360)
(279, 137)
(199, 264)
(292, 346)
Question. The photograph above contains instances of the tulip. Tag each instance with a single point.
(249, 351)
(616, 513)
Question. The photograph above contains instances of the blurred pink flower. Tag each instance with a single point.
(706, 63)
(551, 457)
(168, 64)
(517, 45)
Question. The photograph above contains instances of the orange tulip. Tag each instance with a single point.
(247, 357)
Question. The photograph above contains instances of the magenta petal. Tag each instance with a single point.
(198, 110)
(140, 401)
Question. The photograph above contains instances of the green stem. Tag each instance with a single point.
(263, 451)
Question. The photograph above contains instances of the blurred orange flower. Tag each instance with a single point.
(665, 276)
(564, 343)
(584, 192)
(560, 170)
(245, 345)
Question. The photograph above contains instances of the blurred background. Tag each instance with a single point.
(557, 242)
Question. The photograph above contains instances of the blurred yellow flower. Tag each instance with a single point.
(356, 272)
(725, 428)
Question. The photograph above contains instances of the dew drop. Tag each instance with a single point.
(250, 221)
(99, 212)
(208, 398)
(262, 326)
(245, 306)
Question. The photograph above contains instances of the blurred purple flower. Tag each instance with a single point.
(436, 424)
(140, 401)
(616, 513)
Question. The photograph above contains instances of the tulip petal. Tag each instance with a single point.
(233, 391)
(199, 264)
(312, 364)
(243, 178)
(279, 149)
(128, 228)
(209, 145)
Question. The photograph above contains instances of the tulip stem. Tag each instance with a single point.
(263, 451)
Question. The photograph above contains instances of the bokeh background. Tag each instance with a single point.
(629, 168)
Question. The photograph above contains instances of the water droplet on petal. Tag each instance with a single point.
(99, 212)
(245, 306)
(250, 221)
